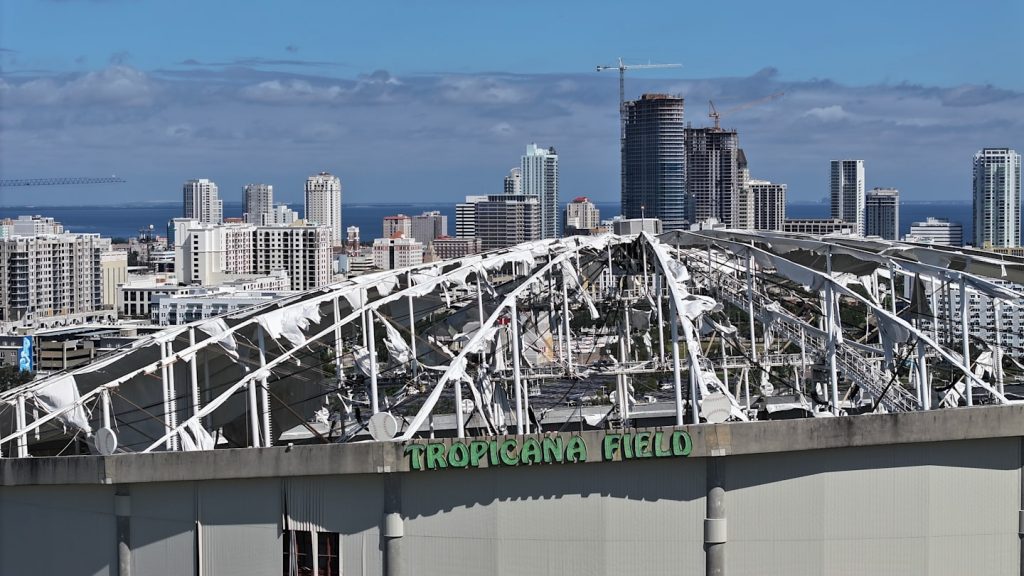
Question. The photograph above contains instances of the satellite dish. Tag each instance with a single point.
(467, 406)
(106, 441)
(716, 408)
(383, 426)
(767, 389)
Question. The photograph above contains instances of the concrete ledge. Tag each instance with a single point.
(709, 440)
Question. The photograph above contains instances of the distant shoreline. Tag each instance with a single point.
(162, 205)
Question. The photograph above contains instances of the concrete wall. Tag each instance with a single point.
(871, 505)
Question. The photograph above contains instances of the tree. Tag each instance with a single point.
(11, 376)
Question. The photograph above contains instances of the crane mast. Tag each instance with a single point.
(622, 67)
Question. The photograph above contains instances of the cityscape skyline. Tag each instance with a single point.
(275, 112)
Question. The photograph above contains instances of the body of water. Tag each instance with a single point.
(125, 221)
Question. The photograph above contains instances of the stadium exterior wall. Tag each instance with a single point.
(919, 493)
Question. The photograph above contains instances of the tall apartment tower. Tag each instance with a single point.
(504, 220)
(653, 160)
(769, 205)
(259, 203)
(581, 216)
(514, 181)
(540, 179)
(201, 202)
(997, 198)
(882, 213)
(323, 204)
(465, 217)
(848, 192)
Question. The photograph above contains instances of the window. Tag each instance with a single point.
(301, 552)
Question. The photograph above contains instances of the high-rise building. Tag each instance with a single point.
(514, 181)
(51, 275)
(540, 179)
(937, 231)
(712, 174)
(505, 220)
(323, 204)
(882, 213)
(303, 251)
(259, 201)
(465, 217)
(396, 252)
(397, 224)
(427, 226)
(847, 186)
(581, 216)
(768, 205)
(201, 202)
(207, 254)
(653, 160)
(997, 215)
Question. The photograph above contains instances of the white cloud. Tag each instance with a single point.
(833, 113)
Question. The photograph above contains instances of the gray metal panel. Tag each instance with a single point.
(562, 519)
(352, 506)
(58, 530)
(888, 510)
(241, 527)
(163, 522)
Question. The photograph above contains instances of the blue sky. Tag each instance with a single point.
(437, 100)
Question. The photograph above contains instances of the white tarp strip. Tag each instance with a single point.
(61, 397)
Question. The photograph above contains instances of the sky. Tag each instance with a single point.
(436, 100)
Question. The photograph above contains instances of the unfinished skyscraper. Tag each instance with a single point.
(712, 174)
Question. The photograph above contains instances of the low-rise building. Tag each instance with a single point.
(396, 252)
(937, 231)
(818, 226)
(581, 217)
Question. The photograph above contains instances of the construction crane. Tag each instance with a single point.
(715, 115)
(622, 85)
(59, 181)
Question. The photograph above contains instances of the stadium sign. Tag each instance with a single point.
(545, 449)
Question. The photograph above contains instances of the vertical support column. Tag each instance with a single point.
(715, 529)
(516, 376)
(750, 313)
(372, 350)
(659, 287)
(393, 529)
(105, 407)
(193, 373)
(254, 419)
(21, 421)
(676, 376)
(267, 436)
(166, 395)
(479, 308)
(892, 287)
(123, 513)
(565, 327)
(725, 367)
(997, 357)
(966, 338)
(803, 355)
(830, 349)
(694, 367)
(338, 369)
(922, 375)
(412, 332)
